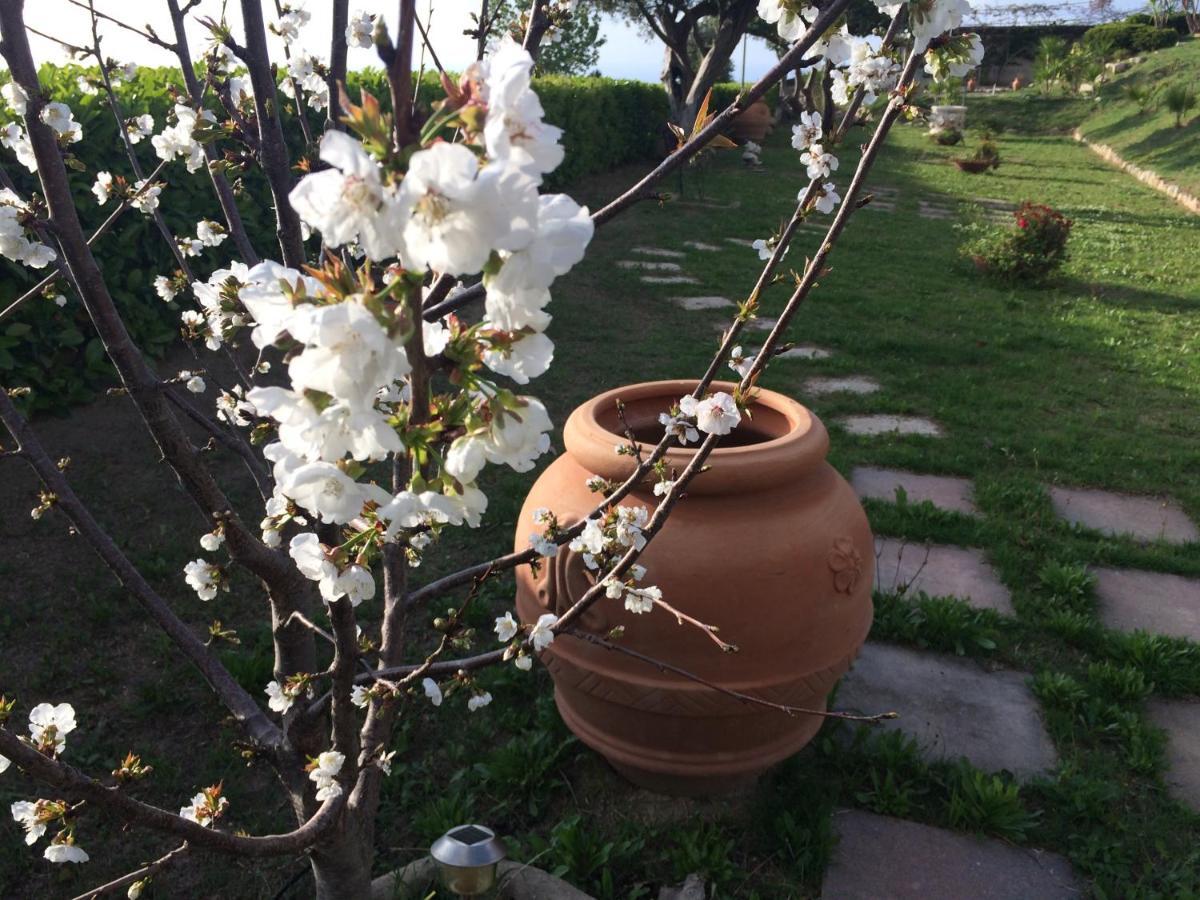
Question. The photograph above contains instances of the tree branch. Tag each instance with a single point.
(145, 872)
(67, 778)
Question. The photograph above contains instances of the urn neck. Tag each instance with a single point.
(777, 441)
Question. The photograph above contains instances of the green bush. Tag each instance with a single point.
(1177, 22)
(54, 350)
(1031, 252)
(1118, 39)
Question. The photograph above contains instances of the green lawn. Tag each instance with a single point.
(1090, 381)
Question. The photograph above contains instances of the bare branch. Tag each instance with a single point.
(145, 872)
(145, 34)
(337, 61)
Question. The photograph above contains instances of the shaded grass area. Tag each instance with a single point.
(1090, 381)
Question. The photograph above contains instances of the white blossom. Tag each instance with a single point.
(478, 701)
(16, 140)
(716, 414)
(139, 128)
(790, 17)
(514, 131)
(59, 117)
(819, 163)
(827, 198)
(360, 32)
(543, 545)
(195, 384)
(506, 628)
(24, 812)
(14, 243)
(432, 691)
(212, 541)
(642, 600)
(203, 577)
(807, 131)
(145, 198)
(359, 696)
(679, 428)
(324, 774)
(164, 287)
(102, 188)
(541, 635)
(62, 852)
(176, 140)
(740, 362)
(279, 698)
(14, 95)
(51, 723)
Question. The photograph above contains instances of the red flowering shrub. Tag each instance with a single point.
(1031, 252)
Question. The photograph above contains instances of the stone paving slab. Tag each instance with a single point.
(952, 707)
(850, 384)
(1181, 721)
(1144, 518)
(943, 491)
(880, 205)
(1133, 599)
(649, 265)
(881, 858)
(940, 570)
(741, 242)
(927, 210)
(701, 246)
(696, 303)
(805, 351)
(660, 251)
(889, 424)
(669, 279)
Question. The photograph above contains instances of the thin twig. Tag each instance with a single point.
(141, 874)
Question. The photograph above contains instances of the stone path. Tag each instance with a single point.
(1180, 719)
(695, 303)
(936, 209)
(952, 707)
(741, 242)
(660, 251)
(647, 265)
(850, 384)
(669, 279)
(943, 491)
(889, 424)
(701, 246)
(998, 212)
(883, 198)
(939, 570)
(805, 351)
(1143, 518)
(1134, 599)
(881, 858)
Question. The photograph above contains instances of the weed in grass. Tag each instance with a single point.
(704, 848)
(1123, 684)
(1069, 585)
(937, 623)
(989, 804)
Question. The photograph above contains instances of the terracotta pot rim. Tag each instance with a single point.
(798, 446)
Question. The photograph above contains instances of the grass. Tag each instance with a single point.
(1092, 380)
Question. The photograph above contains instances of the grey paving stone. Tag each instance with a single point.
(927, 210)
(1181, 721)
(881, 858)
(1144, 518)
(805, 351)
(880, 205)
(849, 384)
(701, 246)
(943, 491)
(659, 251)
(695, 303)
(952, 707)
(649, 265)
(741, 242)
(1133, 599)
(940, 570)
(669, 279)
(882, 190)
(889, 424)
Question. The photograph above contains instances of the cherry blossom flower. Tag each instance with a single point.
(176, 140)
(740, 362)
(65, 852)
(360, 32)
(540, 635)
(543, 545)
(164, 287)
(194, 383)
(360, 696)
(145, 198)
(478, 701)
(514, 131)
(206, 807)
(279, 698)
(59, 117)
(679, 428)
(49, 725)
(642, 600)
(432, 691)
(506, 628)
(5, 762)
(827, 198)
(212, 540)
(103, 187)
(790, 17)
(807, 131)
(14, 95)
(14, 243)
(521, 360)
(716, 414)
(819, 163)
(203, 577)
(139, 127)
(324, 774)
(349, 203)
(25, 813)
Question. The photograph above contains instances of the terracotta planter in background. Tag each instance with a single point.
(770, 545)
(753, 123)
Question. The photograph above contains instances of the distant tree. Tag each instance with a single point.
(699, 36)
(571, 46)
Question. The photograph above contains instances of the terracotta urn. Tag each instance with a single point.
(769, 544)
(753, 123)
(1017, 83)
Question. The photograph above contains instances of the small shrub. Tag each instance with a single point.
(1034, 250)
(1179, 99)
(947, 137)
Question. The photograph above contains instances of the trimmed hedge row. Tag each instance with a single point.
(55, 351)
(1116, 39)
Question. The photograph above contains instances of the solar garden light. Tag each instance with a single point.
(467, 856)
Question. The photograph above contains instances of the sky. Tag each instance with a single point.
(626, 53)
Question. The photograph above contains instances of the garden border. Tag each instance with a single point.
(1188, 201)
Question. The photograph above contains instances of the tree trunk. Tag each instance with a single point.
(731, 26)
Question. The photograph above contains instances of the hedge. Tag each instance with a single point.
(55, 351)
(1116, 39)
(1175, 21)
